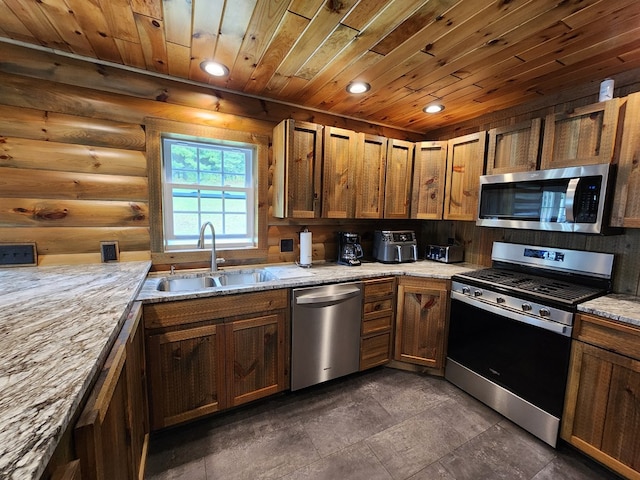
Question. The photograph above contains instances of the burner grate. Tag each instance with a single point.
(532, 285)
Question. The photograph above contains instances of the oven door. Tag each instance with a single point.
(527, 360)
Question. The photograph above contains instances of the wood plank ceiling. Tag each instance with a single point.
(472, 56)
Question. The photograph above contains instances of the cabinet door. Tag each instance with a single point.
(514, 148)
(429, 172)
(582, 136)
(338, 181)
(602, 409)
(137, 408)
(111, 431)
(465, 164)
(371, 160)
(297, 157)
(186, 374)
(626, 201)
(255, 353)
(421, 321)
(397, 190)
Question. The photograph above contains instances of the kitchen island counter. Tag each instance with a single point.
(56, 328)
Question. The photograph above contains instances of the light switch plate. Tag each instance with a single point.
(18, 255)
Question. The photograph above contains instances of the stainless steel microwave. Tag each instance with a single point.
(572, 199)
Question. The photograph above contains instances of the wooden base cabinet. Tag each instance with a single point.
(421, 321)
(377, 322)
(602, 408)
(111, 434)
(208, 354)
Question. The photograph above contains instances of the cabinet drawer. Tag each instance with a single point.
(375, 350)
(377, 306)
(378, 288)
(377, 323)
(610, 335)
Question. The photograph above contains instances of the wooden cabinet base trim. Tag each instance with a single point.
(190, 415)
(605, 459)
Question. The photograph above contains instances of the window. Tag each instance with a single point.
(209, 182)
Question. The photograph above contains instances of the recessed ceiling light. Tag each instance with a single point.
(358, 87)
(433, 108)
(214, 68)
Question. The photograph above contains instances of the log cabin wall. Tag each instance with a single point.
(73, 170)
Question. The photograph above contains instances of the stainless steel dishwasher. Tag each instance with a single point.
(325, 333)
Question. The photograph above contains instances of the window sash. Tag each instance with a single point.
(223, 217)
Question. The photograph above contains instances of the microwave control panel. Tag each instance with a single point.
(587, 200)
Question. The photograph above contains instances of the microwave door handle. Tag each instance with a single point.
(415, 252)
(570, 199)
(399, 250)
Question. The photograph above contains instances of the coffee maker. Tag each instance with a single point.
(349, 249)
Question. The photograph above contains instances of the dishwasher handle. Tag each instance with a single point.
(344, 293)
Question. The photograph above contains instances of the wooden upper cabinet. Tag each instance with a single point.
(297, 162)
(582, 136)
(514, 148)
(371, 160)
(339, 169)
(465, 164)
(429, 172)
(397, 190)
(625, 211)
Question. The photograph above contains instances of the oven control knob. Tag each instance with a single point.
(545, 312)
(477, 293)
(526, 307)
(466, 290)
(500, 300)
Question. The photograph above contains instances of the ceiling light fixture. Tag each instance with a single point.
(435, 108)
(214, 68)
(358, 87)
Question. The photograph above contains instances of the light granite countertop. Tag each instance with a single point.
(615, 306)
(56, 328)
(292, 276)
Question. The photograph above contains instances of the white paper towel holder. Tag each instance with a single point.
(306, 249)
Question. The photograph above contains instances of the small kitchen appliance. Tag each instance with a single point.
(445, 253)
(395, 246)
(349, 249)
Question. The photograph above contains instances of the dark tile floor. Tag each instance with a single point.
(381, 424)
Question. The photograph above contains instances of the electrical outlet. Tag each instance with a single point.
(109, 251)
(286, 245)
(18, 254)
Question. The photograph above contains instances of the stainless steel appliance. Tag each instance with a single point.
(510, 329)
(574, 199)
(395, 246)
(445, 253)
(349, 249)
(325, 333)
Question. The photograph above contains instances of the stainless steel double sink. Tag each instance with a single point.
(214, 280)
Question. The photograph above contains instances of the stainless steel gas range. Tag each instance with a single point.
(510, 329)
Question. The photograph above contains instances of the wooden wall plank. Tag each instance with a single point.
(18, 182)
(47, 155)
(39, 212)
(68, 240)
(39, 125)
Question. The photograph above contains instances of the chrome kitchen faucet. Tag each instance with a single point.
(214, 260)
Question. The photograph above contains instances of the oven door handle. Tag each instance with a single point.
(513, 315)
